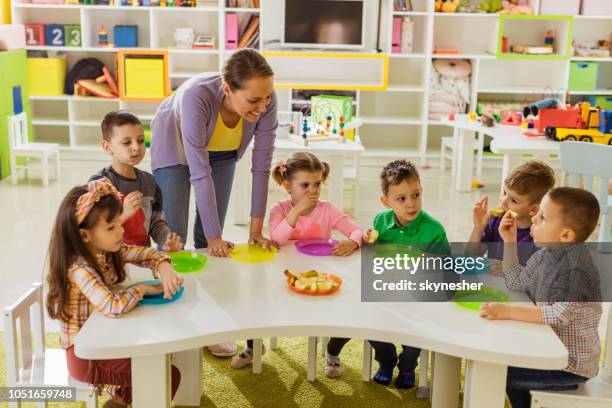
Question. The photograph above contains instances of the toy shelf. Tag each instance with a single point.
(521, 75)
(531, 31)
(164, 23)
(468, 36)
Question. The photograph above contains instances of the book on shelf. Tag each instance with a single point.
(250, 30)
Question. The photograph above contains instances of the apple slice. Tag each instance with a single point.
(372, 236)
(497, 212)
(513, 214)
(325, 285)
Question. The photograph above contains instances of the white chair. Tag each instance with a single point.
(39, 367)
(448, 143)
(591, 160)
(594, 393)
(20, 146)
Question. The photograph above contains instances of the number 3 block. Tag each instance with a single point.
(72, 35)
(54, 35)
(35, 34)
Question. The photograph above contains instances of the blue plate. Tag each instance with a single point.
(159, 298)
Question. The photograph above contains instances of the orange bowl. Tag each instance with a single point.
(335, 278)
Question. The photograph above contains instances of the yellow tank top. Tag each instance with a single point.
(224, 138)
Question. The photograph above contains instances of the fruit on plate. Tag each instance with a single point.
(499, 212)
(311, 281)
(372, 236)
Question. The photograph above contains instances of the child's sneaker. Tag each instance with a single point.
(226, 349)
(333, 368)
(245, 357)
(383, 375)
(405, 380)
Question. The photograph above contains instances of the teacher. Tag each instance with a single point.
(200, 132)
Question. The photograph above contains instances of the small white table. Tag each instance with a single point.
(231, 301)
(507, 140)
(333, 151)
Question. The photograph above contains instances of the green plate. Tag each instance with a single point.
(187, 261)
(473, 299)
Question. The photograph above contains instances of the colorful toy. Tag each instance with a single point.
(35, 34)
(324, 106)
(549, 40)
(472, 116)
(72, 34)
(54, 35)
(477, 184)
(534, 108)
(449, 6)
(583, 123)
(513, 119)
(102, 36)
(126, 36)
(490, 6)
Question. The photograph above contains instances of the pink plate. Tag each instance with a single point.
(316, 247)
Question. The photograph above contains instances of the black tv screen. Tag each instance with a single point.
(324, 22)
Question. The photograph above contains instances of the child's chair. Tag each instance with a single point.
(595, 393)
(591, 160)
(39, 366)
(20, 146)
(449, 143)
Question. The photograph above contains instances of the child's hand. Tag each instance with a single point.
(370, 236)
(173, 243)
(507, 227)
(170, 279)
(219, 247)
(148, 290)
(345, 248)
(496, 267)
(495, 311)
(131, 204)
(306, 203)
(480, 213)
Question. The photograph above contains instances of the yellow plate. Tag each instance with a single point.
(252, 253)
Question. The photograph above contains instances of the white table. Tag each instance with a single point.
(333, 151)
(231, 300)
(507, 140)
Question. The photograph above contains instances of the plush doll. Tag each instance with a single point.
(438, 6)
(450, 87)
(517, 7)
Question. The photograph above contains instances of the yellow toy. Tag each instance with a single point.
(472, 116)
(450, 6)
(438, 6)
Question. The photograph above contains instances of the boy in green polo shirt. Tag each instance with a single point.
(404, 222)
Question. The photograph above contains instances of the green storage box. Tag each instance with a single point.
(583, 76)
(604, 102)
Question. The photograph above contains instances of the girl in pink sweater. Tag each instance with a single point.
(303, 215)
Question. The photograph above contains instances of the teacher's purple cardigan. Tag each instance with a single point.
(183, 126)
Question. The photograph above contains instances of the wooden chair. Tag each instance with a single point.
(20, 146)
(38, 366)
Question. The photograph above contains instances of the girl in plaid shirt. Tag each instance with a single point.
(86, 260)
(563, 281)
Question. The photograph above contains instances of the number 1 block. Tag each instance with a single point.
(54, 35)
(72, 35)
(35, 34)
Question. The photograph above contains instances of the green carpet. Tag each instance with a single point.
(282, 382)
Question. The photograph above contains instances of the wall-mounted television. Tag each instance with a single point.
(324, 23)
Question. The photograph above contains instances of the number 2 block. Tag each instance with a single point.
(35, 34)
(54, 35)
(72, 35)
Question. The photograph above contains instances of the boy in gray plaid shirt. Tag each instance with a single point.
(563, 282)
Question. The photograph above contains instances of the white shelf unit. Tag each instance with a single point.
(396, 120)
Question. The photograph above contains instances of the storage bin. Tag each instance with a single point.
(561, 8)
(583, 76)
(604, 102)
(46, 76)
(596, 8)
(144, 78)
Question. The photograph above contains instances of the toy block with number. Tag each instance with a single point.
(72, 35)
(35, 34)
(54, 35)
